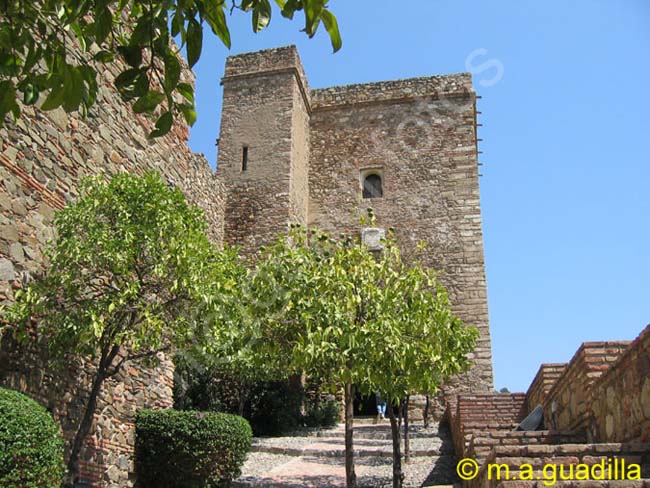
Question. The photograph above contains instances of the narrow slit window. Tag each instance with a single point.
(372, 186)
(244, 158)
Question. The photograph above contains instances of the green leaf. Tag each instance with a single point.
(186, 90)
(103, 23)
(163, 125)
(8, 100)
(189, 114)
(33, 55)
(131, 54)
(104, 56)
(289, 8)
(73, 89)
(172, 72)
(30, 94)
(55, 98)
(177, 22)
(194, 42)
(148, 102)
(332, 27)
(89, 75)
(215, 16)
(142, 32)
(261, 15)
(126, 78)
(313, 11)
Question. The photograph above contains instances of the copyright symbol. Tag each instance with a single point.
(467, 469)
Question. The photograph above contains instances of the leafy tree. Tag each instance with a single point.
(417, 342)
(131, 275)
(335, 310)
(55, 47)
(309, 299)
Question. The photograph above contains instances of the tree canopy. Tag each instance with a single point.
(55, 48)
(131, 274)
(354, 318)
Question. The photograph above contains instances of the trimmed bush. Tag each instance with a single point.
(189, 449)
(31, 446)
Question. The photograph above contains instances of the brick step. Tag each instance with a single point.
(577, 484)
(539, 455)
(481, 445)
(571, 451)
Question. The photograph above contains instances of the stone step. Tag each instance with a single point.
(577, 484)
(331, 450)
(318, 472)
(587, 452)
(383, 431)
(540, 455)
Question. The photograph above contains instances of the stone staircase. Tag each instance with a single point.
(316, 459)
(597, 410)
(564, 458)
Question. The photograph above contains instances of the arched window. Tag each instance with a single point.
(372, 187)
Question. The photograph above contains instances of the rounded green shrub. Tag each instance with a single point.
(31, 446)
(189, 449)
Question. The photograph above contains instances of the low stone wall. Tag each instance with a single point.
(471, 414)
(597, 405)
(566, 408)
(544, 380)
(620, 399)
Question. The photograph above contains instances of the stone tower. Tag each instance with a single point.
(264, 145)
(406, 148)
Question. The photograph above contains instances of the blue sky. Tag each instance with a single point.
(566, 148)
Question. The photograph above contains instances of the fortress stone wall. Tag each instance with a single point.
(43, 157)
(307, 152)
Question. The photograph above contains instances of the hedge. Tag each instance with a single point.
(31, 446)
(189, 449)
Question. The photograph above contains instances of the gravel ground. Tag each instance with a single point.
(259, 463)
(372, 471)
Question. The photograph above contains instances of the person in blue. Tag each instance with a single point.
(381, 407)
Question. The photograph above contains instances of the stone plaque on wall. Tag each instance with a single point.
(372, 238)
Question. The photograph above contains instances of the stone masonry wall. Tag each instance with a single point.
(265, 106)
(566, 407)
(620, 402)
(307, 150)
(44, 155)
(420, 136)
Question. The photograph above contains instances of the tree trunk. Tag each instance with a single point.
(101, 374)
(407, 446)
(350, 476)
(427, 405)
(398, 476)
